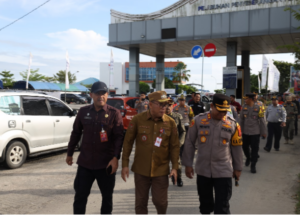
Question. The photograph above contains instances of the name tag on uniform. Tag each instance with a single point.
(158, 141)
(103, 136)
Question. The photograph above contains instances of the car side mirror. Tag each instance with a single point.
(73, 113)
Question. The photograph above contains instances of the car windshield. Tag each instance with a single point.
(116, 103)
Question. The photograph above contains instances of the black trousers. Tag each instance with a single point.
(223, 192)
(251, 147)
(83, 184)
(296, 125)
(274, 129)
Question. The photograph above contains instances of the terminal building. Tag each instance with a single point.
(236, 27)
(147, 73)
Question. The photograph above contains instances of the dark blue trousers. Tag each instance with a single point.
(274, 129)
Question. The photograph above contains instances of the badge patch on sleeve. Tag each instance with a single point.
(192, 123)
(236, 139)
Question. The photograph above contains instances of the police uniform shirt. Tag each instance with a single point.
(180, 126)
(252, 120)
(276, 114)
(219, 146)
(186, 112)
(141, 106)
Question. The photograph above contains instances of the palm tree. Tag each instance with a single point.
(182, 74)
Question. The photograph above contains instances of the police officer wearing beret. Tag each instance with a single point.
(185, 111)
(291, 111)
(181, 132)
(156, 144)
(142, 104)
(253, 123)
(102, 128)
(276, 117)
(219, 157)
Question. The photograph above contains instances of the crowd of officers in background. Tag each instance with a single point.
(164, 132)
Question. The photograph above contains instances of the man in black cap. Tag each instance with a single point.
(253, 125)
(102, 128)
(219, 157)
(142, 104)
(197, 106)
(192, 99)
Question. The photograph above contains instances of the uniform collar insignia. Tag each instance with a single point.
(208, 116)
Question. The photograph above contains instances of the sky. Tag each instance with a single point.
(81, 28)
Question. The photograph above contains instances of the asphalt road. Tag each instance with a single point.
(44, 185)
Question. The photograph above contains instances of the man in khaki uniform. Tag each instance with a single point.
(181, 133)
(291, 112)
(219, 157)
(253, 123)
(185, 110)
(156, 138)
(142, 104)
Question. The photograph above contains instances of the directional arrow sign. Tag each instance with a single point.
(210, 50)
(196, 52)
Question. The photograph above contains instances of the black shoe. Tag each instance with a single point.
(179, 182)
(173, 180)
(253, 169)
(247, 163)
(277, 150)
(266, 149)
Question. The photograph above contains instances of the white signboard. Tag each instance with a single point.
(170, 91)
(185, 8)
(230, 77)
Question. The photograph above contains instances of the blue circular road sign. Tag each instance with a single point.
(196, 51)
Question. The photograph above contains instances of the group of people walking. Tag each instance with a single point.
(164, 134)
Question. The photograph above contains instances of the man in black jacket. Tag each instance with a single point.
(296, 117)
(197, 106)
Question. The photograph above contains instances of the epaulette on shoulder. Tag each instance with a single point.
(231, 118)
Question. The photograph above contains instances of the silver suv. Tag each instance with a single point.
(32, 124)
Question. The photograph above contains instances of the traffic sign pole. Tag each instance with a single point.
(202, 72)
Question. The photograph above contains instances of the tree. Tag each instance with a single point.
(7, 78)
(223, 91)
(144, 87)
(168, 84)
(182, 74)
(186, 88)
(49, 79)
(285, 69)
(34, 75)
(61, 77)
(253, 83)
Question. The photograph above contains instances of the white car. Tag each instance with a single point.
(32, 124)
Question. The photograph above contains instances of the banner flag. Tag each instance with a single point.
(67, 71)
(264, 72)
(28, 73)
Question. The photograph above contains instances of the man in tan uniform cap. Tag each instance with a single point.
(156, 138)
(219, 157)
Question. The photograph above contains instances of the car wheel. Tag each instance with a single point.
(16, 154)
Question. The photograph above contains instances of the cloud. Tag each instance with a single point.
(78, 40)
(58, 7)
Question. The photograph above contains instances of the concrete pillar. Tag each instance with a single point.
(231, 61)
(245, 63)
(160, 72)
(231, 53)
(134, 71)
